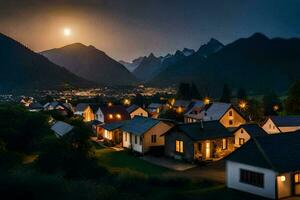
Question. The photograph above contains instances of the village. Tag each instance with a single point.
(211, 139)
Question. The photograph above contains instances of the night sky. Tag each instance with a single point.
(126, 29)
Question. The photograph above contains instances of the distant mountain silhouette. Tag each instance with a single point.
(257, 64)
(91, 64)
(21, 68)
(131, 66)
(151, 65)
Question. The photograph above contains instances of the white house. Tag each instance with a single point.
(281, 124)
(141, 133)
(135, 110)
(266, 166)
(245, 132)
(113, 113)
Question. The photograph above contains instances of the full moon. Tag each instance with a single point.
(67, 32)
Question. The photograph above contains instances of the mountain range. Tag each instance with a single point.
(91, 64)
(256, 63)
(21, 68)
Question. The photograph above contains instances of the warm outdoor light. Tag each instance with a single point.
(243, 104)
(118, 116)
(179, 110)
(110, 116)
(206, 100)
(275, 107)
(126, 102)
(282, 178)
(109, 104)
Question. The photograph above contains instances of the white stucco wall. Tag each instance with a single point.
(289, 129)
(241, 133)
(138, 147)
(126, 143)
(99, 115)
(233, 179)
(139, 112)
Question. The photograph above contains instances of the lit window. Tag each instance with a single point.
(126, 137)
(153, 138)
(110, 116)
(224, 143)
(241, 141)
(297, 178)
(118, 116)
(179, 146)
(270, 126)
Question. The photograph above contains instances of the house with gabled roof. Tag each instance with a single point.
(35, 107)
(113, 113)
(193, 113)
(247, 131)
(154, 109)
(266, 166)
(141, 134)
(225, 113)
(112, 131)
(199, 141)
(86, 111)
(281, 124)
(135, 110)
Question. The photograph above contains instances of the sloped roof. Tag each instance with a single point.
(139, 125)
(183, 103)
(36, 105)
(286, 120)
(216, 110)
(204, 130)
(155, 105)
(195, 105)
(279, 152)
(61, 128)
(113, 126)
(81, 107)
(254, 130)
(132, 108)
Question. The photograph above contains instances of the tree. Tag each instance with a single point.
(195, 94)
(184, 91)
(226, 95)
(292, 102)
(241, 94)
(271, 104)
(254, 111)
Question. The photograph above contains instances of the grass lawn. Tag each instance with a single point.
(122, 161)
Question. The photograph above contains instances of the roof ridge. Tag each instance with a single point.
(263, 153)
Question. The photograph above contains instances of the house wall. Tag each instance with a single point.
(189, 119)
(88, 114)
(139, 112)
(284, 187)
(99, 115)
(270, 127)
(170, 146)
(157, 130)
(130, 143)
(233, 179)
(241, 133)
(236, 118)
(126, 143)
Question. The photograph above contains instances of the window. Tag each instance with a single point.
(252, 178)
(135, 139)
(270, 126)
(126, 137)
(230, 122)
(224, 143)
(297, 178)
(179, 146)
(230, 113)
(242, 131)
(141, 140)
(241, 141)
(153, 138)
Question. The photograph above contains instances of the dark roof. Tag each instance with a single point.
(36, 105)
(81, 107)
(132, 108)
(279, 152)
(113, 125)
(114, 110)
(254, 130)
(286, 120)
(139, 125)
(204, 130)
